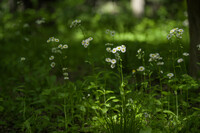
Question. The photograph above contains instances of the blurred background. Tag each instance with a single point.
(26, 25)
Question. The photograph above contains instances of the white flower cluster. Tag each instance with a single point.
(65, 74)
(121, 48)
(115, 51)
(60, 46)
(140, 53)
(175, 32)
(55, 50)
(108, 49)
(86, 42)
(52, 39)
(111, 32)
(112, 61)
(51, 58)
(186, 54)
(75, 23)
(156, 57)
(40, 21)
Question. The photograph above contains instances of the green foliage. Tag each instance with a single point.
(97, 97)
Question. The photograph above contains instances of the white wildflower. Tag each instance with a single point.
(56, 40)
(107, 31)
(172, 31)
(48, 41)
(175, 32)
(113, 61)
(64, 68)
(181, 31)
(65, 74)
(86, 42)
(65, 46)
(114, 50)
(133, 71)
(123, 46)
(90, 38)
(112, 66)
(60, 46)
(139, 50)
(117, 56)
(53, 64)
(51, 57)
(180, 60)
(40, 21)
(53, 50)
(112, 33)
(169, 36)
(123, 50)
(22, 58)
(108, 49)
(108, 60)
(160, 63)
(141, 68)
(185, 54)
(118, 48)
(170, 75)
(152, 55)
(75, 23)
(65, 78)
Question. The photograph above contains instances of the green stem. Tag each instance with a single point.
(24, 110)
(176, 103)
(122, 86)
(65, 112)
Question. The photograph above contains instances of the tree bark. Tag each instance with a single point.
(12, 5)
(194, 31)
(137, 7)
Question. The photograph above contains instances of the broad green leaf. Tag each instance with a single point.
(110, 98)
(104, 110)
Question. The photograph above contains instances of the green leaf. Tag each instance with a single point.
(110, 98)
(46, 92)
(63, 95)
(107, 92)
(82, 108)
(196, 108)
(169, 112)
(104, 110)
(115, 100)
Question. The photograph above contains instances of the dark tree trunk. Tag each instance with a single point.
(194, 31)
(12, 5)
